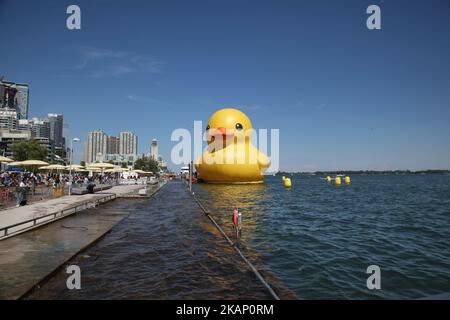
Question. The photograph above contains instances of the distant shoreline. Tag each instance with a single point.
(366, 172)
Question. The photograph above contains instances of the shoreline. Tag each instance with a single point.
(367, 172)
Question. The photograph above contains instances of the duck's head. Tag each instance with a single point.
(229, 123)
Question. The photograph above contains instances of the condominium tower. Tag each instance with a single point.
(127, 143)
(95, 146)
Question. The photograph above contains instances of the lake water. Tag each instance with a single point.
(320, 238)
(313, 241)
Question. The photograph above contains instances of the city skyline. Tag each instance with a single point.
(343, 97)
(15, 126)
(101, 146)
(47, 131)
(14, 116)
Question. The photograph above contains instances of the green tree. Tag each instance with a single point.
(124, 165)
(146, 164)
(29, 150)
(83, 163)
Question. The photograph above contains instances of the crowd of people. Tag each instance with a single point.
(30, 179)
(22, 183)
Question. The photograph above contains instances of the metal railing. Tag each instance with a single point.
(9, 195)
(39, 221)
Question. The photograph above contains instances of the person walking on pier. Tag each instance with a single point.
(33, 183)
(21, 198)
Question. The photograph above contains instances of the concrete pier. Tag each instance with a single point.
(31, 256)
(15, 218)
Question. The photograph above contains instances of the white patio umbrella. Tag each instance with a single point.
(116, 170)
(14, 164)
(5, 159)
(29, 163)
(53, 167)
(73, 167)
(101, 165)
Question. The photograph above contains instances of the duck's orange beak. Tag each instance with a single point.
(224, 132)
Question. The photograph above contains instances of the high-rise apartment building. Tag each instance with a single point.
(10, 137)
(40, 128)
(8, 118)
(102, 147)
(56, 134)
(113, 145)
(15, 96)
(127, 143)
(56, 129)
(22, 97)
(15, 125)
(95, 146)
(154, 150)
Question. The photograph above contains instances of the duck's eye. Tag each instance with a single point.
(238, 126)
(207, 127)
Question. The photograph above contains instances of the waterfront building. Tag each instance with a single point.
(102, 147)
(118, 159)
(127, 143)
(14, 99)
(113, 145)
(40, 128)
(22, 100)
(162, 164)
(154, 150)
(56, 134)
(95, 145)
(40, 131)
(154, 154)
(85, 150)
(8, 119)
(24, 124)
(8, 95)
(14, 96)
(8, 137)
(56, 129)
(48, 145)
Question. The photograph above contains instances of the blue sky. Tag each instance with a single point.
(343, 97)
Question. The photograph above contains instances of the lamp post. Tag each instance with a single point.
(70, 163)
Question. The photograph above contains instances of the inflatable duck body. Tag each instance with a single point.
(230, 156)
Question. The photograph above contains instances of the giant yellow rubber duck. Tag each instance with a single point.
(230, 157)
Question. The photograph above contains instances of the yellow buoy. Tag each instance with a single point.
(328, 179)
(287, 182)
(347, 180)
(337, 181)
